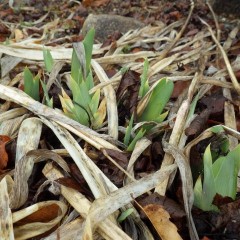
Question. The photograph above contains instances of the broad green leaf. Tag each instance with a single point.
(125, 214)
(127, 136)
(28, 81)
(203, 198)
(88, 46)
(209, 188)
(80, 93)
(157, 101)
(48, 60)
(76, 69)
(31, 84)
(227, 167)
(144, 79)
(198, 194)
(224, 167)
(139, 135)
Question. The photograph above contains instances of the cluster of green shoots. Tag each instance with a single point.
(220, 175)
(88, 109)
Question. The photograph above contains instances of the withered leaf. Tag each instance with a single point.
(159, 217)
(44, 214)
(198, 124)
(214, 102)
(174, 209)
(127, 92)
(3, 154)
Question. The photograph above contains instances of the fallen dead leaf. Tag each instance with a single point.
(3, 154)
(159, 217)
(94, 3)
(44, 214)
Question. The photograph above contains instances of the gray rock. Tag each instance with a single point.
(106, 25)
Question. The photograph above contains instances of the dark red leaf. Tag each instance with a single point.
(3, 154)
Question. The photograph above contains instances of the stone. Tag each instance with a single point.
(105, 25)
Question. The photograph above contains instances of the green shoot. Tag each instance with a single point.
(31, 84)
(138, 136)
(215, 175)
(152, 104)
(84, 107)
(159, 94)
(144, 80)
(88, 46)
(125, 214)
(49, 102)
(128, 132)
(48, 60)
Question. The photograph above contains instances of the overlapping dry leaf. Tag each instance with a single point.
(180, 57)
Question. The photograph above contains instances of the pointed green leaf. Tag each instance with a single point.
(127, 136)
(159, 97)
(76, 69)
(49, 101)
(48, 60)
(88, 46)
(138, 136)
(144, 79)
(94, 103)
(31, 84)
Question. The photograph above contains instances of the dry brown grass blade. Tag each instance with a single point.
(173, 43)
(187, 188)
(21, 98)
(229, 111)
(141, 145)
(82, 205)
(6, 224)
(23, 170)
(71, 230)
(225, 57)
(104, 206)
(11, 127)
(28, 136)
(13, 113)
(110, 97)
(178, 128)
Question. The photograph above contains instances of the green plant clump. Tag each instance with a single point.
(219, 177)
(152, 103)
(83, 107)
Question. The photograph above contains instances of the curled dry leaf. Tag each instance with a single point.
(3, 154)
(94, 3)
(159, 217)
(38, 218)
